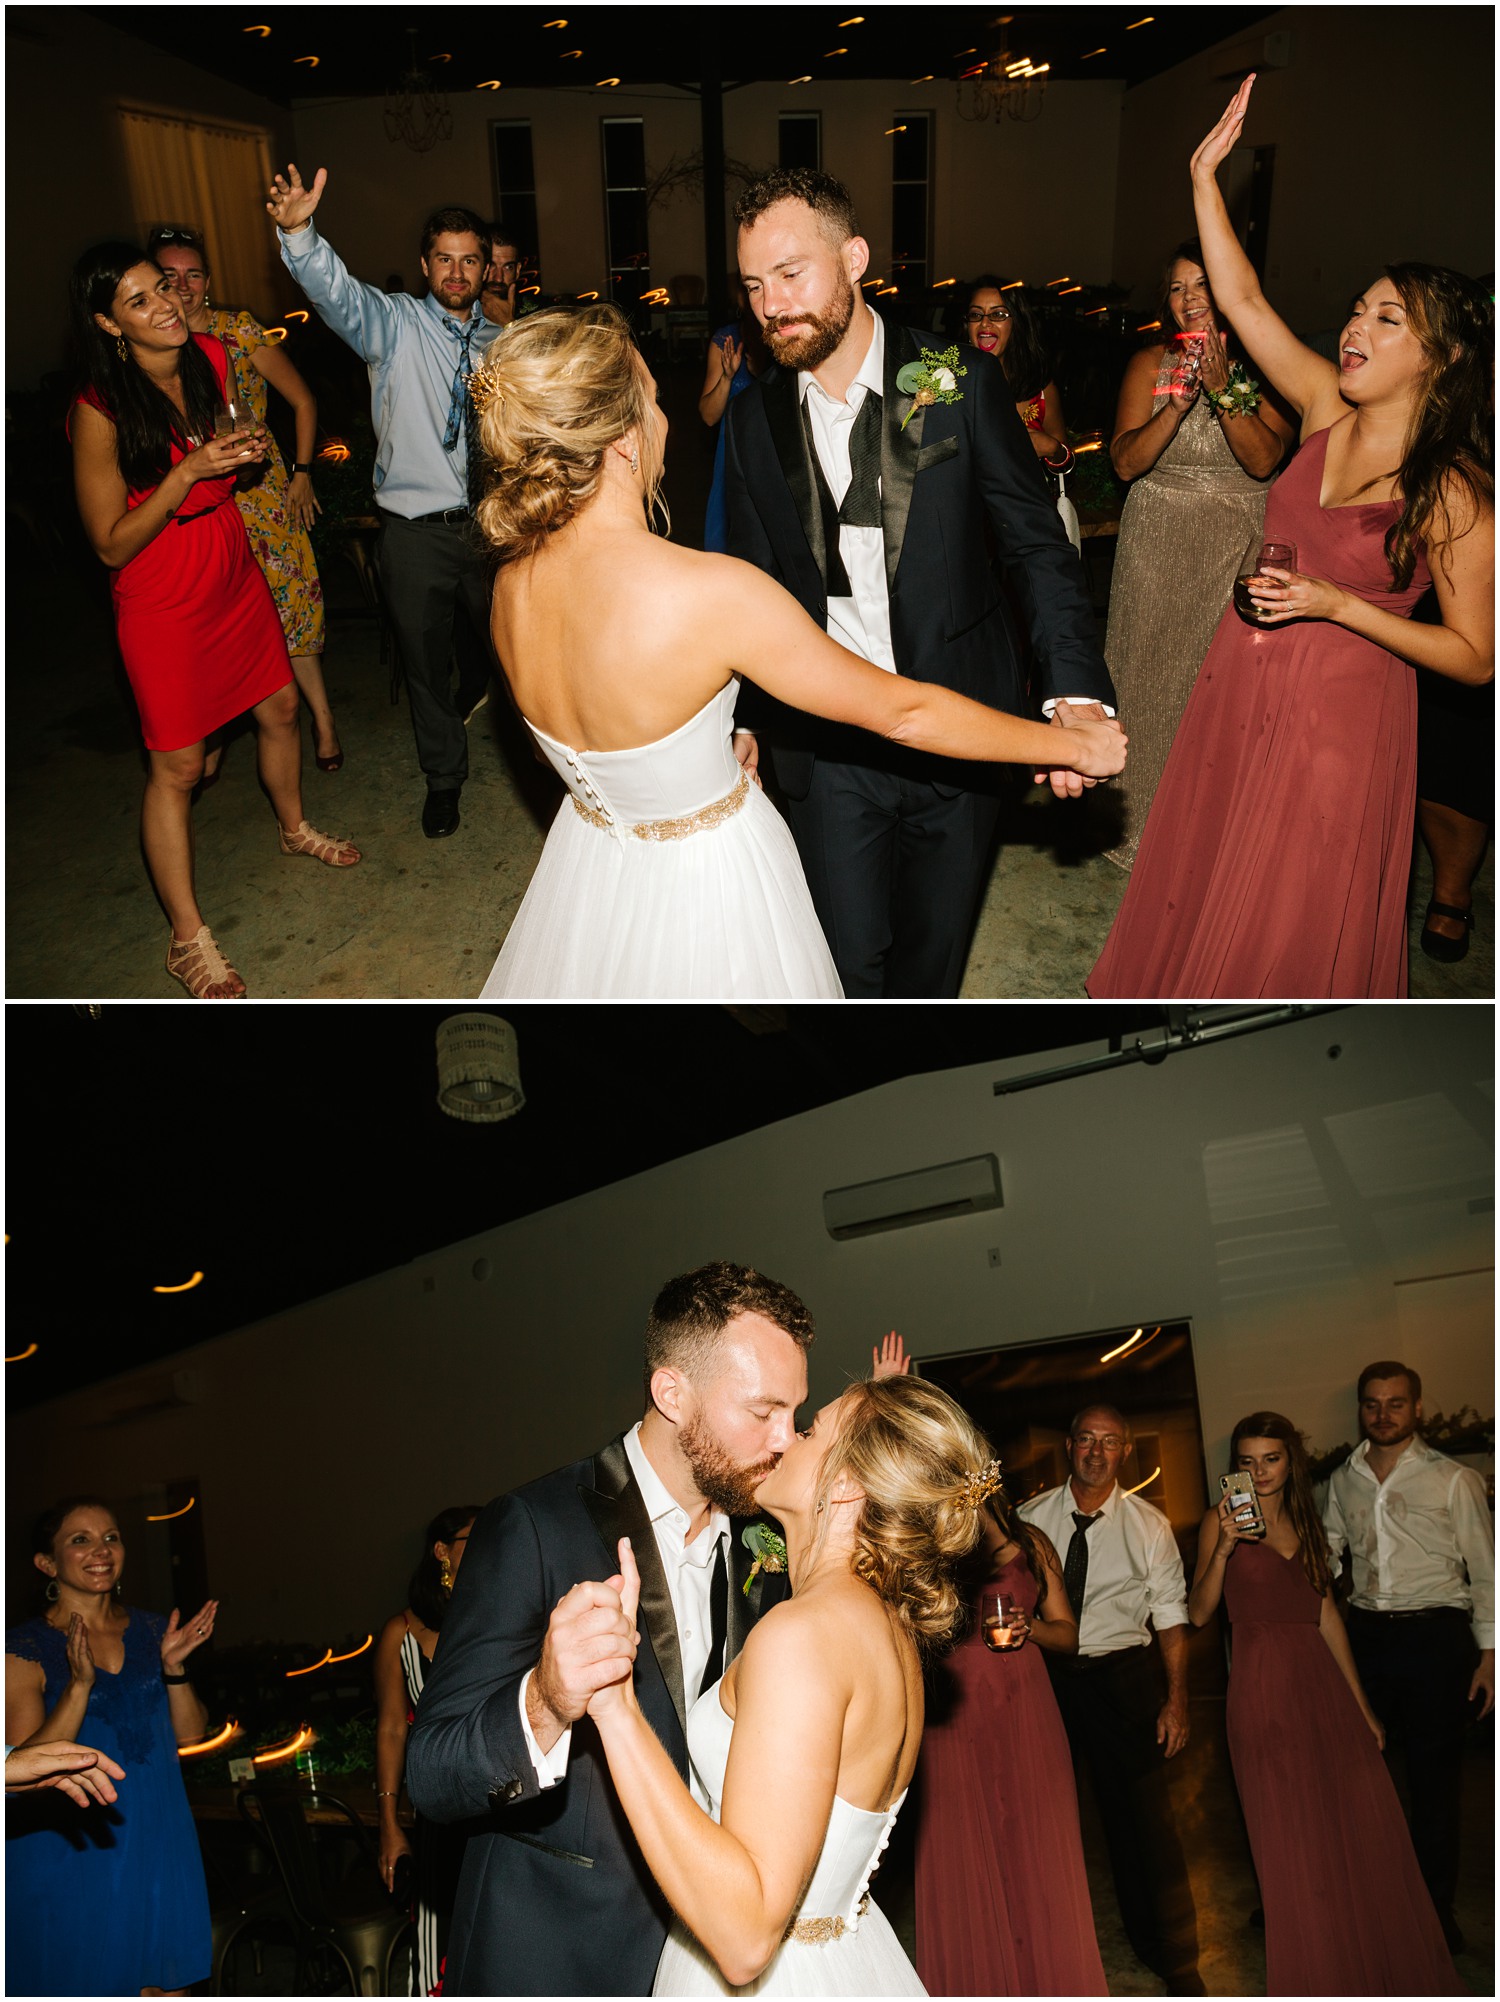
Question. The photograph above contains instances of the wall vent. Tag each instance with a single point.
(955, 1188)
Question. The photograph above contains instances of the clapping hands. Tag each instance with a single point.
(179, 1641)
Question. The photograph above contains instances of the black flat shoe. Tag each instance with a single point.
(1436, 944)
(440, 813)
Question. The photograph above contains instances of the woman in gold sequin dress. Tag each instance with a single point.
(1197, 497)
(277, 511)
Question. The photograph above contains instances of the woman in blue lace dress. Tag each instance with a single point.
(109, 1900)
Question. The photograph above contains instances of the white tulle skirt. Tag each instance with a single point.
(866, 1962)
(722, 914)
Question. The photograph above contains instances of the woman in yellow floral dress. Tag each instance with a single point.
(277, 511)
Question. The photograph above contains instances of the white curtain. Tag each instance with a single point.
(213, 178)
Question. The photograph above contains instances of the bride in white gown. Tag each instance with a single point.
(808, 1744)
(667, 873)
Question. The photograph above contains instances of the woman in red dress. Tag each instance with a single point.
(1347, 1911)
(198, 629)
(1276, 855)
(1002, 1894)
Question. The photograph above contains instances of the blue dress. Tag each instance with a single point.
(716, 521)
(107, 1900)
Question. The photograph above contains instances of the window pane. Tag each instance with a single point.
(624, 153)
(909, 222)
(518, 218)
(626, 209)
(513, 167)
(799, 136)
(909, 149)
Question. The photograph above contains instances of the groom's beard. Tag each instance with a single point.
(722, 1481)
(824, 331)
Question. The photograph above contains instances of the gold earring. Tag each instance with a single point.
(445, 1577)
(635, 460)
(120, 348)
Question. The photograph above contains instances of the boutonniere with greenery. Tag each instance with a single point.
(932, 379)
(766, 1547)
(1238, 396)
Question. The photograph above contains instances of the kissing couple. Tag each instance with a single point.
(638, 1719)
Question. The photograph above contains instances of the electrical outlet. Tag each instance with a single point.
(993, 1254)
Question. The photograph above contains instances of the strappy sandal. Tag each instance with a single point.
(1436, 944)
(330, 848)
(198, 963)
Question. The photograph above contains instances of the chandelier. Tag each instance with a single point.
(415, 109)
(1006, 86)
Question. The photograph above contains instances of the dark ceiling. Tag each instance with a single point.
(289, 1151)
(362, 51)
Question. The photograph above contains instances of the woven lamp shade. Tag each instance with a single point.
(479, 1072)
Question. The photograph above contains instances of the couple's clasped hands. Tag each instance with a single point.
(588, 1656)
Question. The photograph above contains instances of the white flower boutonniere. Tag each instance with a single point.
(766, 1547)
(932, 379)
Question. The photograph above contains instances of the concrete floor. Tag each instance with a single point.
(418, 918)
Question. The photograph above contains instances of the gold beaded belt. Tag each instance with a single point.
(818, 1932)
(674, 830)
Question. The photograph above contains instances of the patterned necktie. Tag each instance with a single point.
(860, 507)
(1076, 1564)
(718, 1621)
(463, 418)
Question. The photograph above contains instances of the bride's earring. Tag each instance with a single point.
(635, 460)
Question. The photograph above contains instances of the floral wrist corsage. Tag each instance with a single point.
(1239, 395)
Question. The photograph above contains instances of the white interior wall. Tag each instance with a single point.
(1301, 1209)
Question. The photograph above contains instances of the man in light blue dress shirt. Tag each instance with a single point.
(420, 353)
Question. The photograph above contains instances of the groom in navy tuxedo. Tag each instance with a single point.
(871, 510)
(555, 1897)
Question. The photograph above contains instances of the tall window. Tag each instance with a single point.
(626, 241)
(515, 184)
(800, 139)
(911, 200)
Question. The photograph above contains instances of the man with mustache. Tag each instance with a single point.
(420, 353)
(1124, 1577)
(1421, 1615)
(871, 509)
(555, 1897)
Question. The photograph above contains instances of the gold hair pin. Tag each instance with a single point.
(978, 1487)
(484, 388)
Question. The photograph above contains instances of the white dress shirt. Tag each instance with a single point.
(1135, 1571)
(1421, 1537)
(689, 1569)
(861, 623)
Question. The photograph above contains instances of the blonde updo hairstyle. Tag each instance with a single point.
(911, 1451)
(560, 388)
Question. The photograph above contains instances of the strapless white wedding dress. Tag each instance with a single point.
(666, 875)
(846, 1945)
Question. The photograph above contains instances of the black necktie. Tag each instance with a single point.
(860, 507)
(718, 1621)
(1076, 1564)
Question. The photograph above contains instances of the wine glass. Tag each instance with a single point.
(1001, 1621)
(1258, 558)
(234, 414)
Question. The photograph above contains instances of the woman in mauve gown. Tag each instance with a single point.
(1002, 1897)
(1347, 1911)
(1276, 856)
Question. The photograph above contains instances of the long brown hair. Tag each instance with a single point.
(1454, 322)
(1297, 1495)
(1014, 1527)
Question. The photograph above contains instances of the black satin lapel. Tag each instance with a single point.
(898, 450)
(617, 1510)
(784, 415)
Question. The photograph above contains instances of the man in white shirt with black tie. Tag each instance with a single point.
(1124, 1577)
(1421, 1613)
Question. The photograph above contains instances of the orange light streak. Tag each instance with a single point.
(327, 1657)
(28, 1351)
(368, 1641)
(272, 1755)
(297, 315)
(186, 1285)
(1145, 1483)
(194, 1751)
(335, 452)
(191, 1502)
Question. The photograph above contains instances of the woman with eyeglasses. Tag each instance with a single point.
(1197, 497)
(403, 1655)
(1005, 324)
(277, 511)
(196, 624)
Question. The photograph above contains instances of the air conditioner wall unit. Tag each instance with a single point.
(954, 1188)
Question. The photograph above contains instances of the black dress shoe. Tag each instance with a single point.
(440, 813)
(1438, 945)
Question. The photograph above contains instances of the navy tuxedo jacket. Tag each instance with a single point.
(554, 1898)
(955, 467)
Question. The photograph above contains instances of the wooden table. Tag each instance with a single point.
(356, 1790)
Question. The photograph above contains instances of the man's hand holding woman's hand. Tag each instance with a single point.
(590, 1644)
(619, 1692)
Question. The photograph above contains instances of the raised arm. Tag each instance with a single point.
(1307, 380)
(359, 314)
(736, 1882)
(1218, 1533)
(786, 654)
